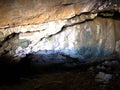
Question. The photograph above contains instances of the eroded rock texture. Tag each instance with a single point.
(54, 30)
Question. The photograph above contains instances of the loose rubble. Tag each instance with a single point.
(103, 77)
(106, 70)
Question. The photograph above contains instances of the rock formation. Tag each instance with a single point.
(55, 30)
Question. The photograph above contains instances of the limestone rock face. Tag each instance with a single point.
(21, 12)
(35, 11)
(54, 30)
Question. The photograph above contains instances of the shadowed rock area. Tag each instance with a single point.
(101, 75)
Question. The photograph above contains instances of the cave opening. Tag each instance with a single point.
(61, 46)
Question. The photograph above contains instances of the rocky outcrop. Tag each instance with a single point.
(57, 30)
(22, 12)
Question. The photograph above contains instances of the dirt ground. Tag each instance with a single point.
(53, 79)
(24, 76)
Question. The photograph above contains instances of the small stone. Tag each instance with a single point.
(103, 77)
(106, 63)
(111, 63)
(117, 75)
(115, 63)
(17, 59)
(101, 67)
(91, 69)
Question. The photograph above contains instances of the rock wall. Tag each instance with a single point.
(54, 31)
(21, 12)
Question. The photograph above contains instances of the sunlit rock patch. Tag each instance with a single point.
(53, 41)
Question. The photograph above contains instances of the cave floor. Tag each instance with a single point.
(54, 79)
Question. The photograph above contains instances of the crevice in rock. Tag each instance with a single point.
(108, 14)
